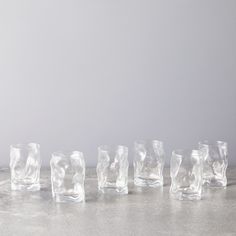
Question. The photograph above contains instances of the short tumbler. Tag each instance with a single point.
(186, 174)
(112, 169)
(149, 158)
(215, 163)
(67, 176)
(25, 164)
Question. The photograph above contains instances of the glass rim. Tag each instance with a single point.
(24, 146)
(181, 152)
(108, 148)
(68, 155)
(207, 143)
(148, 141)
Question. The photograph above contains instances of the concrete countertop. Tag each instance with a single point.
(144, 211)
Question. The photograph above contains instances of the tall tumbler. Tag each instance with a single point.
(25, 164)
(215, 163)
(67, 176)
(186, 174)
(112, 169)
(149, 159)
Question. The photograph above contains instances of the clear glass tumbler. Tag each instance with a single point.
(112, 169)
(215, 156)
(67, 176)
(149, 159)
(25, 164)
(186, 174)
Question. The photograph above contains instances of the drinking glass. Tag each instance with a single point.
(215, 156)
(25, 164)
(186, 174)
(67, 176)
(149, 158)
(112, 169)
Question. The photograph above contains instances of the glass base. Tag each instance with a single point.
(68, 198)
(113, 190)
(186, 196)
(142, 182)
(25, 187)
(215, 183)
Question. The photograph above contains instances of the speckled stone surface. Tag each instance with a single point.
(142, 212)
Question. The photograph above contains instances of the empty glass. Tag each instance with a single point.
(25, 164)
(67, 176)
(215, 163)
(112, 169)
(149, 158)
(186, 174)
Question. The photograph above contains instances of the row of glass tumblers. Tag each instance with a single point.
(189, 169)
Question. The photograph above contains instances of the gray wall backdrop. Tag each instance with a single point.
(77, 74)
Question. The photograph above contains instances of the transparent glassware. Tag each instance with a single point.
(112, 169)
(149, 159)
(25, 164)
(186, 174)
(67, 176)
(215, 156)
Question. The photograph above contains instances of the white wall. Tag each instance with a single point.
(77, 74)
